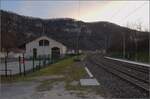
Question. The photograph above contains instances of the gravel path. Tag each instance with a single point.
(28, 90)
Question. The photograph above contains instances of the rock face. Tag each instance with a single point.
(17, 29)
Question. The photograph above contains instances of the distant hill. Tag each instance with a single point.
(17, 30)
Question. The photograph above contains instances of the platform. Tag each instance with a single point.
(89, 82)
(128, 61)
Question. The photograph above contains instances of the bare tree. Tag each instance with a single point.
(137, 26)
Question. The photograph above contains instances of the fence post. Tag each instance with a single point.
(44, 62)
(39, 62)
(50, 59)
(33, 63)
(11, 77)
(19, 65)
(5, 66)
(24, 69)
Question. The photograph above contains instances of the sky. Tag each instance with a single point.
(121, 12)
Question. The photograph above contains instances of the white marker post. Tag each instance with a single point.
(89, 73)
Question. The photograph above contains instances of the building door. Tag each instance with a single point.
(55, 53)
(34, 53)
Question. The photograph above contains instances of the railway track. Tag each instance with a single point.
(123, 72)
(129, 70)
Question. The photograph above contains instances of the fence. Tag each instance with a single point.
(23, 65)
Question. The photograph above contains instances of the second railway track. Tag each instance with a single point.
(131, 76)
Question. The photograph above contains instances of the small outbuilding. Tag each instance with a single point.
(45, 46)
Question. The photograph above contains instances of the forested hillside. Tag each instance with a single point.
(17, 30)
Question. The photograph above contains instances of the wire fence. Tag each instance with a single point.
(23, 65)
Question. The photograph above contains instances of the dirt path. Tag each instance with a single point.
(29, 90)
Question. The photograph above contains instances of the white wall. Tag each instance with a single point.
(2, 55)
(43, 50)
(14, 55)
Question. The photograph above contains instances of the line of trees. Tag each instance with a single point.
(132, 43)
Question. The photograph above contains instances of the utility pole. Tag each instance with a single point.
(0, 36)
(149, 50)
(0, 41)
(135, 39)
(105, 43)
(77, 46)
(43, 34)
(78, 33)
(124, 45)
(139, 28)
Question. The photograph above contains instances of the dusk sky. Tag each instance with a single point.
(119, 12)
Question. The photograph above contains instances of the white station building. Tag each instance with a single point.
(44, 46)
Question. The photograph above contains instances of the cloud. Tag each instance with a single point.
(120, 12)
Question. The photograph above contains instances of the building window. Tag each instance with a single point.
(46, 43)
(43, 43)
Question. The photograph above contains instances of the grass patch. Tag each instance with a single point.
(54, 69)
(15, 78)
(71, 72)
(62, 67)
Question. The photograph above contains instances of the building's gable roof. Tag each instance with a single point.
(44, 37)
